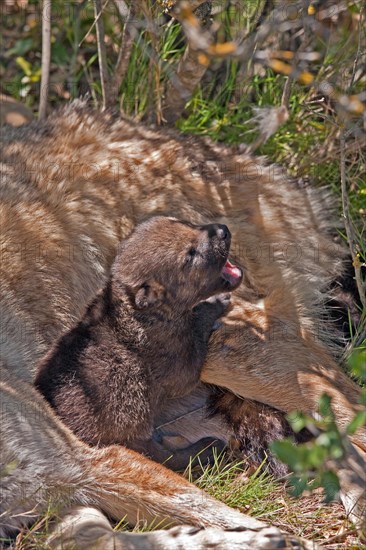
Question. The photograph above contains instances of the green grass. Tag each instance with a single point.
(255, 494)
(229, 482)
(222, 108)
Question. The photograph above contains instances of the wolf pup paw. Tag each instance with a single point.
(220, 302)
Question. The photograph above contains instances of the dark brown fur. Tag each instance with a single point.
(255, 426)
(144, 338)
(75, 185)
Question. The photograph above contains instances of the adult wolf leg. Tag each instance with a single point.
(43, 464)
(99, 176)
(86, 527)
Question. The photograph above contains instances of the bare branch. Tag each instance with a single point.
(46, 57)
(102, 56)
(361, 287)
(203, 40)
(181, 85)
(190, 70)
(128, 36)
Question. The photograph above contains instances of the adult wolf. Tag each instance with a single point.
(72, 188)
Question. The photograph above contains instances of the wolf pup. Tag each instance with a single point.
(144, 338)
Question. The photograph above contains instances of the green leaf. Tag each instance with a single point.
(358, 421)
(59, 54)
(20, 47)
(330, 482)
(297, 420)
(324, 439)
(317, 455)
(324, 405)
(298, 485)
(357, 363)
(25, 65)
(288, 453)
(337, 451)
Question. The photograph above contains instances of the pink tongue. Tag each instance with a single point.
(231, 270)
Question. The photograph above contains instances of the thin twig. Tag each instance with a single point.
(348, 225)
(76, 10)
(184, 415)
(155, 65)
(286, 94)
(92, 25)
(128, 36)
(341, 536)
(46, 57)
(267, 8)
(359, 46)
(102, 55)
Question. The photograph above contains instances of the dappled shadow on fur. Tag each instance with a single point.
(78, 183)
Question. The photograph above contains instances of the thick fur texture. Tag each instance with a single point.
(72, 188)
(144, 338)
(44, 465)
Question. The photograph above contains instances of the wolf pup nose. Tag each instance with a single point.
(144, 338)
(223, 232)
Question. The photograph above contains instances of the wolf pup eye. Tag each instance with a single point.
(189, 257)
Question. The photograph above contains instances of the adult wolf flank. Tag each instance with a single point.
(72, 188)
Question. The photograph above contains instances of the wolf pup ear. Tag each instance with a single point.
(150, 294)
